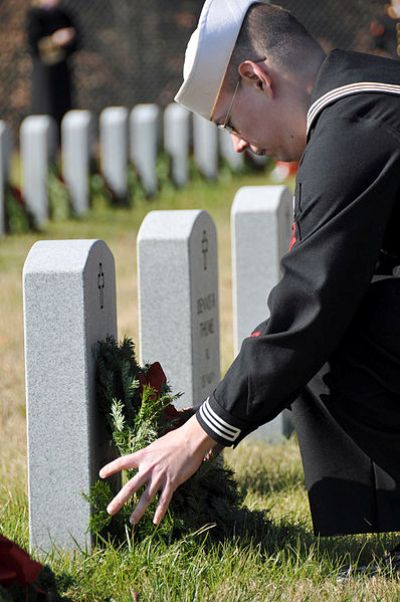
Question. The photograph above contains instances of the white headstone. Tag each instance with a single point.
(144, 133)
(205, 146)
(261, 225)
(37, 139)
(176, 141)
(77, 132)
(178, 300)
(7, 145)
(5, 157)
(69, 305)
(235, 160)
(114, 149)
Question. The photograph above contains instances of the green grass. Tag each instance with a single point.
(283, 561)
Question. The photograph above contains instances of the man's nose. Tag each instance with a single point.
(239, 145)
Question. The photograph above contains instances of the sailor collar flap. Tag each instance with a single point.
(347, 90)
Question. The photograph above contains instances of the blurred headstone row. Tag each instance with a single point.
(120, 141)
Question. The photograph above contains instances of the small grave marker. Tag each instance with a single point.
(38, 137)
(261, 223)
(178, 300)
(205, 143)
(77, 141)
(144, 126)
(176, 141)
(114, 149)
(69, 305)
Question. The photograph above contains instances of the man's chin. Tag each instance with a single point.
(281, 155)
(288, 157)
(258, 153)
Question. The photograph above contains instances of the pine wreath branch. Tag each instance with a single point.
(137, 412)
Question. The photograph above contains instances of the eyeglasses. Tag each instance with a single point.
(226, 126)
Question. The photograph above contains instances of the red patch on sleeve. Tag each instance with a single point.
(256, 333)
(293, 240)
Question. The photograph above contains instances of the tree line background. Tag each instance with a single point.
(132, 50)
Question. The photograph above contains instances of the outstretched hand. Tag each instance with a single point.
(162, 466)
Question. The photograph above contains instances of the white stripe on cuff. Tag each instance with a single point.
(217, 424)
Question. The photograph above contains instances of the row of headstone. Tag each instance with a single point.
(69, 305)
(123, 137)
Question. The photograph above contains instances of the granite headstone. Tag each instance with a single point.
(176, 141)
(205, 146)
(178, 300)
(38, 136)
(261, 224)
(69, 305)
(144, 136)
(77, 133)
(114, 149)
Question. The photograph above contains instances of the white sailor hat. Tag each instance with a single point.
(208, 53)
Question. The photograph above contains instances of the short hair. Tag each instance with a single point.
(271, 31)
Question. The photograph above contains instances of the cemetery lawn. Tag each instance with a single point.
(285, 563)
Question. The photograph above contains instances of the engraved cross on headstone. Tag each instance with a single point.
(204, 248)
(100, 285)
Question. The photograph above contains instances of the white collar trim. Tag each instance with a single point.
(347, 90)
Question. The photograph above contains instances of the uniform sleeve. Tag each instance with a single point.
(347, 184)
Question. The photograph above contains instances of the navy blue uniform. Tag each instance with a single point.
(332, 341)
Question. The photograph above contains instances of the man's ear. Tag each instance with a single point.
(256, 74)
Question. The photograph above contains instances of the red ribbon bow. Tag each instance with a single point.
(154, 378)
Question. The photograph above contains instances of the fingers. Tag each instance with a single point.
(163, 503)
(145, 501)
(125, 493)
(122, 463)
(162, 466)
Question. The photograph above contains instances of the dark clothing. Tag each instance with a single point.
(51, 83)
(347, 211)
(348, 423)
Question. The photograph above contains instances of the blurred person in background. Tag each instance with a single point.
(52, 38)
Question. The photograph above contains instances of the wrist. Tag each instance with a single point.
(196, 437)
